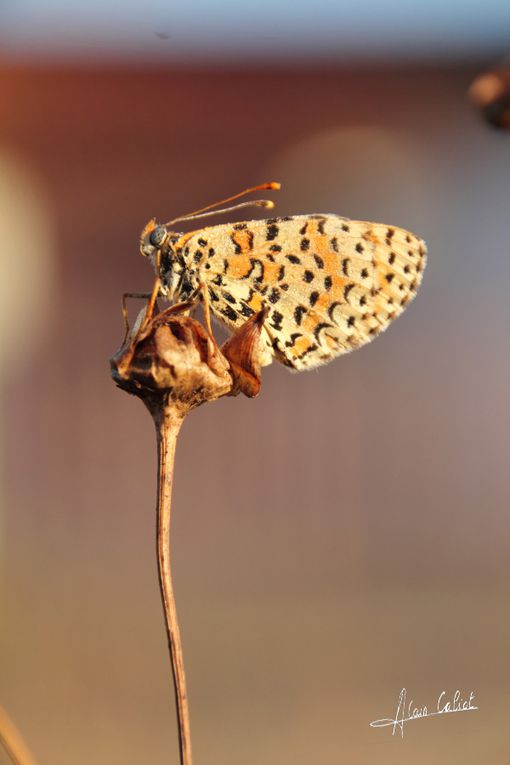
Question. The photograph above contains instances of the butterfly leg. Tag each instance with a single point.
(152, 303)
(141, 295)
(201, 293)
(207, 310)
(186, 305)
(193, 300)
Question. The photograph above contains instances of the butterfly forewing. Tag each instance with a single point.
(331, 284)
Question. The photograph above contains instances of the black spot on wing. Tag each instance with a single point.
(255, 264)
(276, 320)
(331, 311)
(271, 231)
(320, 327)
(308, 350)
(347, 289)
(291, 343)
(237, 247)
(229, 313)
(245, 310)
(299, 311)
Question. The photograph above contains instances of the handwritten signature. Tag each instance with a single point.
(410, 711)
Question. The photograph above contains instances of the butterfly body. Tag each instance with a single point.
(330, 284)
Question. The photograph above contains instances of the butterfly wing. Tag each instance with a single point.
(331, 284)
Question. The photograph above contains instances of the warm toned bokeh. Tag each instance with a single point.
(342, 536)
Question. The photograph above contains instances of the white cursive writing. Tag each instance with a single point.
(411, 711)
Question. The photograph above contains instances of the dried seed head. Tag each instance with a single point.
(174, 358)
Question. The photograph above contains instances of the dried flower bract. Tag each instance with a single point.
(174, 356)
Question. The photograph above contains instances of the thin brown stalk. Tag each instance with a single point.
(174, 365)
(12, 741)
(168, 419)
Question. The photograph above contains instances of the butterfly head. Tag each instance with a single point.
(157, 243)
(154, 237)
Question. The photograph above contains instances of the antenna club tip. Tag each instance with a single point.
(267, 204)
(274, 185)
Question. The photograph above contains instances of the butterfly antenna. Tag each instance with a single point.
(258, 203)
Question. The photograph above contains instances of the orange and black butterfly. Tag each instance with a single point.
(328, 284)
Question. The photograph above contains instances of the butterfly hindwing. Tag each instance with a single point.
(331, 284)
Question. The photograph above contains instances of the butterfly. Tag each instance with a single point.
(328, 284)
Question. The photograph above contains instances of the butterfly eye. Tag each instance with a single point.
(157, 236)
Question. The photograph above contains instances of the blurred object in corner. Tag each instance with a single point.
(28, 278)
(490, 93)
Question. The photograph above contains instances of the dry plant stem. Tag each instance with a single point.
(168, 417)
(13, 743)
(174, 365)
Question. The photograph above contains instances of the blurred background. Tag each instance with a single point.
(355, 541)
